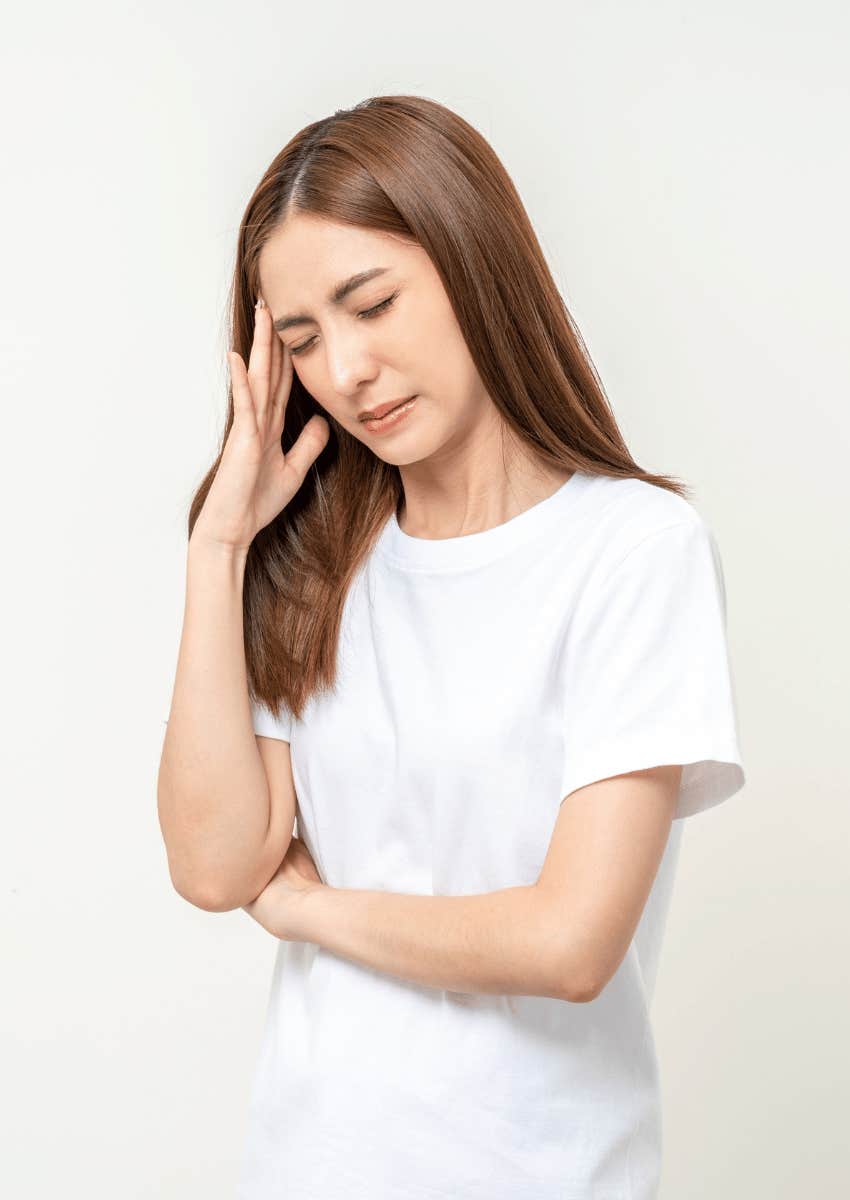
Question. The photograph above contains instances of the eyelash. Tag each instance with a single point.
(369, 314)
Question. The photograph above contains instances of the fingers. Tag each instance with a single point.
(267, 379)
(277, 353)
(282, 384)
(307, 447)
(243, 403)
(259, 363)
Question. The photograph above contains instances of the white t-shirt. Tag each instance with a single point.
(482, 679)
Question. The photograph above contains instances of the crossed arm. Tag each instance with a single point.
(563, 936)
(503, 941)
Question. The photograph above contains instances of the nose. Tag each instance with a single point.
(349, 360)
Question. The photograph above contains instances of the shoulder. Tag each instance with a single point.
(630, 535)
(652, 567)
(623, 514)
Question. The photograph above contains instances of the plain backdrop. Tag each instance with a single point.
(686, 169)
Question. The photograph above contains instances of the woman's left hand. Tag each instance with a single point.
(278, 904)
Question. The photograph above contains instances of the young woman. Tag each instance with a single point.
(437, 613)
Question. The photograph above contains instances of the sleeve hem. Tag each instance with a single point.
(710, 775)
(266, 724)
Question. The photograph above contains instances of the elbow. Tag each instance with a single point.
(582, 993)
(211, 887)
(576, 981)
(205, 893)
(577, 989)
(210, 901)
(565, 950)
(206, 898)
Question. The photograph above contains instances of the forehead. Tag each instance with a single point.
(308, 255)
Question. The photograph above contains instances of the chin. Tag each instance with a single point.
(402, 449)
(399, 456)
(407, 448)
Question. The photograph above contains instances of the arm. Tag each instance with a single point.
(500, 941)
(225, 797)
(562, 937)
(602, 861)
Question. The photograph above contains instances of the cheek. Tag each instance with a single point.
(306, 374)
(443, 342)
(448, 362)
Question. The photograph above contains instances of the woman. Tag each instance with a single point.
(480, 655)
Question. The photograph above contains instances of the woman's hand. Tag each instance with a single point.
(255, 480)
(277, 906)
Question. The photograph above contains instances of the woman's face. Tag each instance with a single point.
(392, 337)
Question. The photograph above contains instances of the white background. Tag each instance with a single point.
(686, 169)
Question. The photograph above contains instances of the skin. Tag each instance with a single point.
(449, 450)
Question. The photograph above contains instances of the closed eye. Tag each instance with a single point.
(368, 313)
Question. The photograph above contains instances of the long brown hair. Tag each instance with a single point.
(409, 166)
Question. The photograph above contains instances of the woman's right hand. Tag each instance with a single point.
(255, 480)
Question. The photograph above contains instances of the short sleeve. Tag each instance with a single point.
(646, 673)
(271, 724)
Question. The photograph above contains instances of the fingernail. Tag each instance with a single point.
(260, 303)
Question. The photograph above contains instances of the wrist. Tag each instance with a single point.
(304, 919)
(210, 549)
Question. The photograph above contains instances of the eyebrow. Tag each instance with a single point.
(337, 296)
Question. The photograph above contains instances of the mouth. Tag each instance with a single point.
(382, 409)
(393, 414)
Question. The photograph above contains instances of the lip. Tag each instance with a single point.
(382, 409)
(382, 426)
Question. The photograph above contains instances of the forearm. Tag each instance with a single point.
(504, 941)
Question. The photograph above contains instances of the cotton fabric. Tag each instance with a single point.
(482, 680)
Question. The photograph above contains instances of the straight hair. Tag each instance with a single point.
(408, 166)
